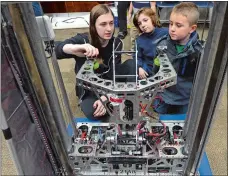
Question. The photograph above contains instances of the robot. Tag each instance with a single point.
(134, 142)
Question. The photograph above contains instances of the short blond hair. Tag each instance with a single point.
(189, 10)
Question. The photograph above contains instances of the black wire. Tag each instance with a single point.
(66, 21)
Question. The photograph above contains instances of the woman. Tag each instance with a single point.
(101, 38)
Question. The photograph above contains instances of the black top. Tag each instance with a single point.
(105, 52)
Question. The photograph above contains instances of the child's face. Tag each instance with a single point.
(180, 28)
(145, 23)
(105, 26)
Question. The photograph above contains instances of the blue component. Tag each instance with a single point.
(204, 168)
(201, 4)
(37, 9)
(172, 116)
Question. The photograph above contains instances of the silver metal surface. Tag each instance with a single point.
(109, 148)
(130, 144)
(125, 97)
(35, 41)
(209, 79)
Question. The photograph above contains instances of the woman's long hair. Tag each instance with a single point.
(148, 12)
(97, 11)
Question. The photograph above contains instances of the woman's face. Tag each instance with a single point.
(105, 26)
(145, 23)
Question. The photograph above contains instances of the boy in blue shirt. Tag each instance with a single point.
(184, 51)
(133, 9)
(146, 22)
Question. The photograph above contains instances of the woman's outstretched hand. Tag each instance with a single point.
(142, 73)
(81, 50)
(100, 109)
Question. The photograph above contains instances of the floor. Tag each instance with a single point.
(216, 147)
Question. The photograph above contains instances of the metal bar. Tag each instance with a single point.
(113, 62)
(42, 65)
(63, 91)
(7, 49)
(49, 42)
(30, 26)
(210, 118)
(122, 52)
(123, 75)
(136, 63)
(212, 68)
(36, 87)
(19, 105)
(190, 118)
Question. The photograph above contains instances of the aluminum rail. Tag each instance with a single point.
(35, 42)
(43, 68)
(63, 91)
(208, 83)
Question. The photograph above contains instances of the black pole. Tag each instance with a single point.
(32, 32)
(208, 83)
(25, 60)
(35, 41)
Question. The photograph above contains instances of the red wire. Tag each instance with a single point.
(83, 136)
(158, 134)
(119, 131)
(143, 107)
(151, 134)
(141, 131)
(164, 171)
(175, 135)
(138, 126)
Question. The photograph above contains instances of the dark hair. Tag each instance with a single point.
(148, 12)
(189, 10)
(97, 11)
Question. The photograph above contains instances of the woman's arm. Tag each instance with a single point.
(130, 10)
(153, 5)
(75, 46)
(80, 50)
(99, 108)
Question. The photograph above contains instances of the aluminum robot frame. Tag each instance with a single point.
(130, 143)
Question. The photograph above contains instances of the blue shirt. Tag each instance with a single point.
(146, 45)
(139, 4)
(185, 65)
(37, 9)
